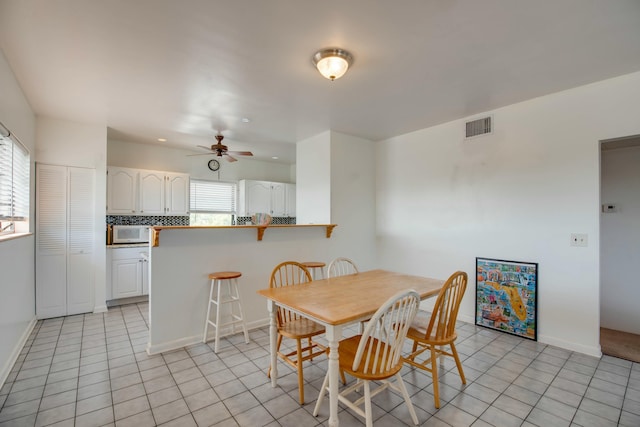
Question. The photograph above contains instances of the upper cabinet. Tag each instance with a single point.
(265, 197)
(122, 193)
(145, 192)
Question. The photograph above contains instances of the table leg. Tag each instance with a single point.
(333, 333)
(273, 336)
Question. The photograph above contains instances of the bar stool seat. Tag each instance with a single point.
(230, 298)
(312, 266)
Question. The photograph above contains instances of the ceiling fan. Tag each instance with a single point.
(221, 150)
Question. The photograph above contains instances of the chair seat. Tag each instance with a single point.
(347, 352)
(300, 328)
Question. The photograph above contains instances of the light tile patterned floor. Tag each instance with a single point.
(92, 370)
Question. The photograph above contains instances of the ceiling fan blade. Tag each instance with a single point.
(202, 154)
(206, 148)
(229, 158)
(241, 153)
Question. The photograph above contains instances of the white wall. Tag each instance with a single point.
(155, 157)
(517, 194)
(620, 240)
(352, 199)
(313, 189)
(61, 142)
(17, 281)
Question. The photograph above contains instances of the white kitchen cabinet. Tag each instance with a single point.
(152, 192)
(122, 191)
(278, 199)
(147, 192)
(128, 274)
(290, 200)
(64, 240)
(263, 196)
(176, 194)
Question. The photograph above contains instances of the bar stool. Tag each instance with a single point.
(231, 298)
(312, 266)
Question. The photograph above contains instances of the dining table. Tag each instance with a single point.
(337, 302)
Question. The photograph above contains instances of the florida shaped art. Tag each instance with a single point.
(506, 293)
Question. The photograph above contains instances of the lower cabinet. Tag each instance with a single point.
(128, 274)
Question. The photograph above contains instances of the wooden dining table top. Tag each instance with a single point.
(345, 299)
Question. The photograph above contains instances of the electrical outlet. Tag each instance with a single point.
(579, 239)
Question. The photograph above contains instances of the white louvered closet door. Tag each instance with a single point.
(51, 241)
(80, 232)
(64, 240)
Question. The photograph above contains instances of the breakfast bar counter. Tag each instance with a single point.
(155, 231)
(181, 261)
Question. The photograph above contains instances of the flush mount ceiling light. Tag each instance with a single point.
(333, 62)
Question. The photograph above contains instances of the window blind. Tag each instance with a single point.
(213, 196)
(14, 181)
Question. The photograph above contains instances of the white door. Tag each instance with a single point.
(152, 193)
(258, 197)
(51, 241)
(126, 278)
(291, 200)
(80, 239)
(278, 199)
(177, 194)
(121, 191)
(64, 240)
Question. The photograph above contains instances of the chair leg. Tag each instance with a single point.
(217, 334)
(458, 364)
(323, 390)
(434, 377)
(300, 377)
(407, 398)
(367, 404)
(206, 322)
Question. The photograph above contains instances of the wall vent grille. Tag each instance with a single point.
(479, 127)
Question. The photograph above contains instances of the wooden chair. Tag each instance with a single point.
(439, 331)
(294, 326)
(341, 267)
(376, 355)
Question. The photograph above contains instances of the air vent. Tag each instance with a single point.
(478, 127)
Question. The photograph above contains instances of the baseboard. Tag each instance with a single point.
(185, 342)
(6, 369)
(100, 309)
(595, 351)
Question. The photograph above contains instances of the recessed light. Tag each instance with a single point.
(162, 139)
(275, 157)
(245, 120)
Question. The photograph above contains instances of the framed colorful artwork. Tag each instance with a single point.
(506, 296)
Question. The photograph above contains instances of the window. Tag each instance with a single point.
(14, 184)
(212, 202)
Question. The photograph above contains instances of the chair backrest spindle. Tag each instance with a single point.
(341, 267)
(445, 310)
(380, 347)
(288, 273)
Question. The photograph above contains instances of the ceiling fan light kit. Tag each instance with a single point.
(332, 63)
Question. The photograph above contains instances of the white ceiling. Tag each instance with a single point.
(183, 69)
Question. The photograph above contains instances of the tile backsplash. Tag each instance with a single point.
(276, 220)
(179, 220)
(147, 220)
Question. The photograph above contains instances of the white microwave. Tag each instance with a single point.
(130, 234)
